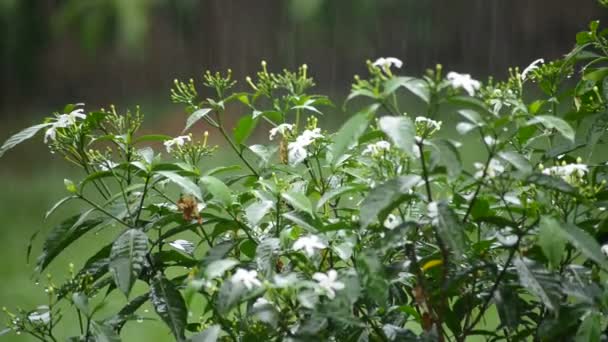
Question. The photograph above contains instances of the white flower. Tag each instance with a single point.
(63, 121)
(39, 317)
(427, 125)
(309, 244)
(391, 222)
(297, 151)
(387, 62)
(533, 66)
(463, 81)
(261, 302)
(489, 140)
(248, 278)
(281, 129)
(177, 141)
(183, 245)
(432, 210)
(377, 148)
(567, 172)
(107, 165)
(605, 249)
(328, 283)
(495, 168)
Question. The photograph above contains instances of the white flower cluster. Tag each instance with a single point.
(297, 150)
(426, 125)
(63, 121)
(388, 62)
(249, 279)
(568, 172)
(377, 148)
(463, 81)
(495, 168)
(280, 129)
(177, 141)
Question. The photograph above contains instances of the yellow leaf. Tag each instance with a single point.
(431, 263)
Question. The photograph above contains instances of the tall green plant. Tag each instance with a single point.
(375, 232)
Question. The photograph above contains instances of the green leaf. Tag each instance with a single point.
(217, 268)
(385, 197)
(196, 116)
(218, 189)
(590, 329)
(118, 321)
(21, 137)
(450, 229)
(186, 184)
(553, 122)
(61, 237)
(244, 128)
(299, 201)
(444, 153)
(81, 301)
(579, 239)
(301, 220)
(517, 160)
(210, 334)
(401, 131)
(529, 281)
(349, 134)
(104, 333)
(373, 277)
(551, 240)
(255, 212)
(265, 255)
(417, 86)
(333, 193)
(152, 137)
(170, 306)
(551, 182)
(127, 258)
(58, 204)
(231, 293)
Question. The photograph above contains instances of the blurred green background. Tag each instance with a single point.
(123, 52)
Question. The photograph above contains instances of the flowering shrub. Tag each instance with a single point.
(376, 232)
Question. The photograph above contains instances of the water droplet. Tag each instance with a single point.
(140, 320)
(146, 310)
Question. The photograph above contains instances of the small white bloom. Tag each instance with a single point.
(328, 283)
(107, 165)
(183, 245)
(605, 249)
(463, 81)
(391, 222)
(533, 66)
(177, 141)
(261, 302)
(388, 62)
(248, 278)
(377, 148)
(495, 168)
(490, 141)
(280, 129)
(50, 134)
(297, 151)
(309, 244)
(39, 317)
